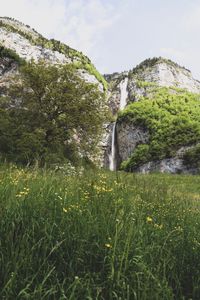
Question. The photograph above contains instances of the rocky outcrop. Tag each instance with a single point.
(7, 66)
(168, 165)
(8, 69)
(23, 47)
(168, 74)
(90, 78)
(143, 80)
(28, 45)
(21, 27)
(129, 137)
(173, 165)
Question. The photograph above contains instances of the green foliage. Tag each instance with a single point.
(172, 120)
(98, 235)
(147, 63)
(16, 30)
(145, 84)
(93, 71)
(140, 155)
(52, 115)
(8, 53)
(192, 157)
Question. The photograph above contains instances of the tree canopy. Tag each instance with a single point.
(51, 114)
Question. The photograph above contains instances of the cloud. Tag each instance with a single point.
(191, 19)
(79, 23)
(86, 23)
(187, 58)
(173, 53)
(45, 16)
(116, 34)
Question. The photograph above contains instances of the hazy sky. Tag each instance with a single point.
(117, 34)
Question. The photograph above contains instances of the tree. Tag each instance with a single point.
(57, 114)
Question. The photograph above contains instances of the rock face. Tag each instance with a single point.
(166, 74)
(23, 47)
(128, 137)
(8, 68)
(169, 165)
(174, 165)
(142, 81)
(28, 44)
(145, 77)
(23, 40)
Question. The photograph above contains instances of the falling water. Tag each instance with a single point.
(124, 93)
(123, 102)
(112, 156)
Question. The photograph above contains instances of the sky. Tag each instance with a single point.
(117, 34)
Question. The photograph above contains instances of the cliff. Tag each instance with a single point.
(155, 95)
(155, 105)
(26, 44)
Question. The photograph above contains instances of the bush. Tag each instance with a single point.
(139, 156)
(5, 52)
(192, 157)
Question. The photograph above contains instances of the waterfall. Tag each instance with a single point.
(112, 156)
(123, 102)
(124, 93)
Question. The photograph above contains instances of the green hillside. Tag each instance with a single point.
(171, 117)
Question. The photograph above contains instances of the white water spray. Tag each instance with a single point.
(123, 101)
(124, 93)
(112, 156)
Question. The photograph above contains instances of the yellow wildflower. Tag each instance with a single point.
(158, 226)
(24, 192)
(149, 220)
(108, 245)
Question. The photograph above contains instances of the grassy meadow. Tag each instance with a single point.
(98, 235)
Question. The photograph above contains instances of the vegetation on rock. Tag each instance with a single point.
(8, 53)
(172, 120)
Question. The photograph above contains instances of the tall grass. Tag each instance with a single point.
(98, 235)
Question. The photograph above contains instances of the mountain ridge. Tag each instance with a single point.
(149, 62)
(29, 44)
(154, 84)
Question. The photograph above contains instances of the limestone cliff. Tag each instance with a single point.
(146, 76)
(28, 44)
(121, 139)
(143, 82)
